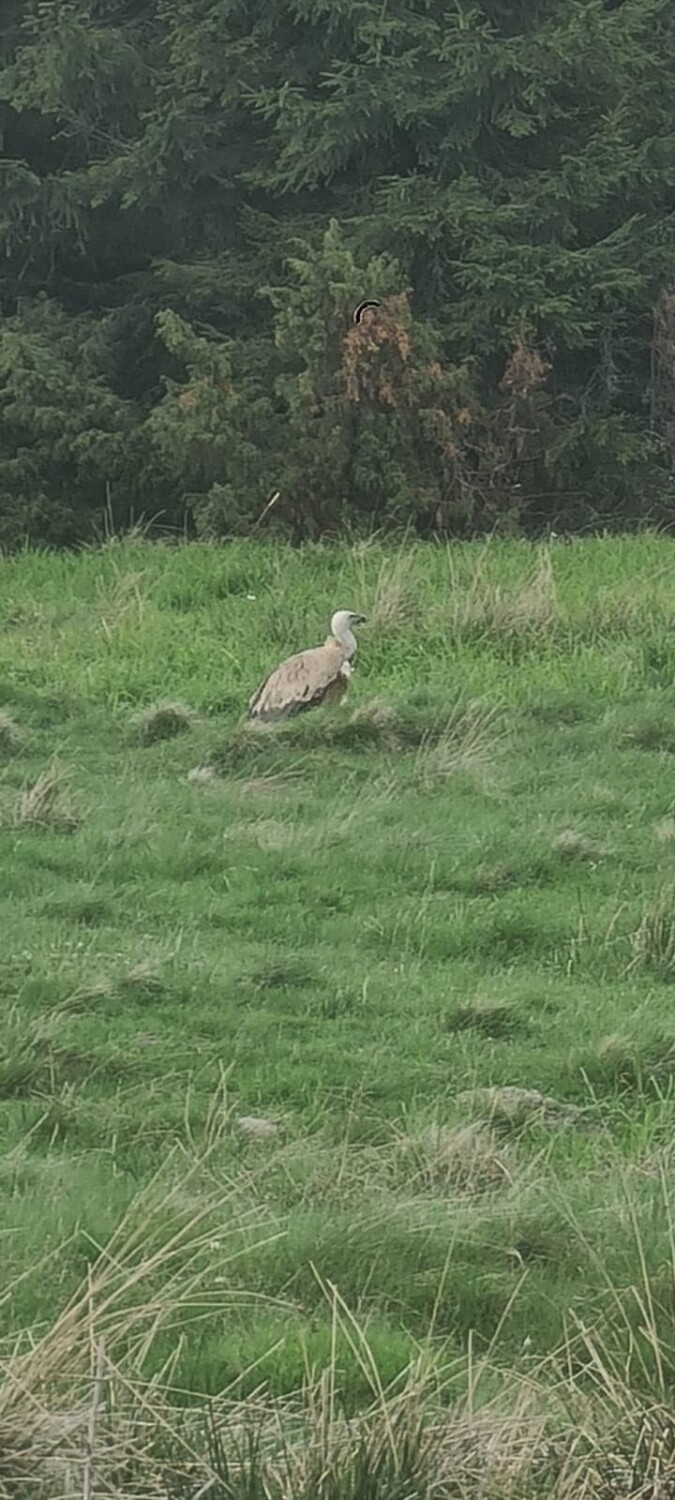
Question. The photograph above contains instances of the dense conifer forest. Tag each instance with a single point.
(194, 194)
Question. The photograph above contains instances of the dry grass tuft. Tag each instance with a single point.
(491, 1018)
(144, 979)
(129, 1439)
(464, 1158)
(468, 742)
(161, 721)
(42, 804)
(573, 844)
(393, 603)
(514, 1107)
(383, 719)
(77, 1417)
(342, 816)
(664, 830)
(81, 1414)
(203, 775)
(10, 738)
(533, 607)
(257, 1127)
(653, 941)
(75, 1400)
(121, 602)
(633, 1064)
(268, 833)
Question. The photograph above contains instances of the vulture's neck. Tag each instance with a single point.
(346, 639)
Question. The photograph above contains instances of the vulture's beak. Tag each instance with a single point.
(359, 619)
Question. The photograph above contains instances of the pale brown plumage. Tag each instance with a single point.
(309, 678)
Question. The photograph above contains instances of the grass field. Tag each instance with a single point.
(338, 1077)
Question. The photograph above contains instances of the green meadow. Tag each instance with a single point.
(337, 1059)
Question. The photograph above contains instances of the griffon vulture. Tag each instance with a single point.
(311, 677)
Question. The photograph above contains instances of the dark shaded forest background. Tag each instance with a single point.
(194, 194)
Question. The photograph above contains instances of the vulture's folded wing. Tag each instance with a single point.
(302, 681)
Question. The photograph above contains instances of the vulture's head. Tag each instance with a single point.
(345, 619)
(342, 627)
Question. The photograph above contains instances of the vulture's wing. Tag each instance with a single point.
(300, 682)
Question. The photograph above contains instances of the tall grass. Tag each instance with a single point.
(336, 1062)
(79, 1413)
